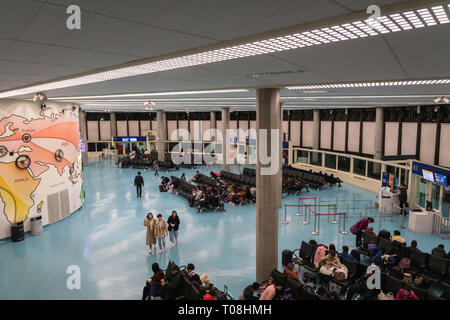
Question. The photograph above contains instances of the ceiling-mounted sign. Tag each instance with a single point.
(431, 173)
(129, 139)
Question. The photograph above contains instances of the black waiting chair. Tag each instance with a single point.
(305, 253)
(418, 261)
(430, 296)
(295, 288)
(307, 294)
(436, 268)
(278, 277)
(384, 244)
(446, 281)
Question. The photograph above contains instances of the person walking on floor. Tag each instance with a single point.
(150, 223)
(174, 223)
(161, 233)
(139, 183)
(156, 168)
(358, 228)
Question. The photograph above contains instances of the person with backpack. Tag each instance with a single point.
(358, 228)
(345, 254)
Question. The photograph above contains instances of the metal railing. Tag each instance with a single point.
(441, 225)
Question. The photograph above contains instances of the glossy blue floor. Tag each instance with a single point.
(106, 239)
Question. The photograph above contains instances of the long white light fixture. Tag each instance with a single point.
(413, 19)
(371, 84)
(151, 94)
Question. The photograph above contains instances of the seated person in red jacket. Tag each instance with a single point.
(291, 272)
(406, 293)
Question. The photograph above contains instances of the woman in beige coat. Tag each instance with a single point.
(150, 223)
(161, 233)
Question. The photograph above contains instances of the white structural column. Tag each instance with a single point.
(268, 116)
(379, 120)
(316, 130)
(162, 133)
(113, 125)
(83, 136)
(212, 120)
(225, 125)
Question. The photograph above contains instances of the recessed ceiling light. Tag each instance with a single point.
(151, 94)
(370, 84)
(400, 21)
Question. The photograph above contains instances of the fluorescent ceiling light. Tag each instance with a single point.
(371, 84)
(400, 21)
(151, 94)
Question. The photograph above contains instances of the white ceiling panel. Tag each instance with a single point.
(85, 5)
(424, 53)
(15, 15)
(144, 41)
(48, 26)
(139, 10)
(25, 51)
(363, 4)
(82, 58)
(229, 19)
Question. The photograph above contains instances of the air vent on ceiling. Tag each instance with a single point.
(274, 73)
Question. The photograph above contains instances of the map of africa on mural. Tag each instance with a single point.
(28, 148)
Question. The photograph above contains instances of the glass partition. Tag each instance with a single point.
(421, 191)
(316, 158)
(435, 194)
(374, 170)
(404, 177)
(359, 166)
(302, 156)
(445, 202)
(393, 170)
(344, 164)
(330, 161)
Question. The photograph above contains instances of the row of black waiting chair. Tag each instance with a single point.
(355, 270)
(433, 268)
(238, 180)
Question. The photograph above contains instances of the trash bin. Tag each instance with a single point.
(36, 226)
(17, 231)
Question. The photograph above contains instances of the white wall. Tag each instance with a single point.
(391, 139)
(105, 130)
(325, 134)
(133, 128)
(295, 133)
(122, 128)
(171, 129)
(92, 131)
(427, 142)
(307, 134)
(409, 138)
(368, 143)
(444, 152)
(339, 136)
(353, 136)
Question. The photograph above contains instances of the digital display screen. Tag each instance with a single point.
(125, 139)
(428, 175)
(441, 179)
(133, 139)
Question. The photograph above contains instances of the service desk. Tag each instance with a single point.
(421, 221)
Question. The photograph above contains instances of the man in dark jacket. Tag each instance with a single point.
(439, 251)
(172, 288)
(249, 291)
(139, 183)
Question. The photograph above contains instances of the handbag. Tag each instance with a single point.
(383, 296)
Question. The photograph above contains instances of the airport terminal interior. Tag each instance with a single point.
(224, 150)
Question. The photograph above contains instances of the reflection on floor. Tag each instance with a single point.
(106, 240)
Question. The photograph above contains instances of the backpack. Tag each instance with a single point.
(384, 234)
